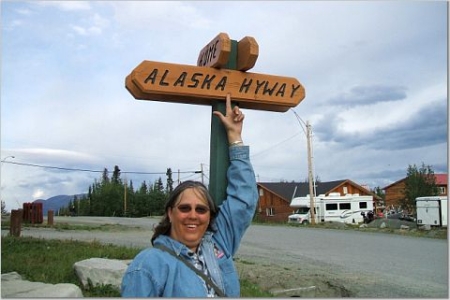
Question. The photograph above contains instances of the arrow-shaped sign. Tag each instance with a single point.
(188, 84)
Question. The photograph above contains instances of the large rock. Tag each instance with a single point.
(13, 286)
(101, 271)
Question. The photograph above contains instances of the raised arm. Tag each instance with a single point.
(237, 211)
(233, 122)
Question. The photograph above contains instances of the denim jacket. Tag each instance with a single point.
(155, 273)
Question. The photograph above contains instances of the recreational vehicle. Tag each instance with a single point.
(431, 211)
(350, 208)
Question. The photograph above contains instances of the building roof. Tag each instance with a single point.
(441, 179)
(289, 190)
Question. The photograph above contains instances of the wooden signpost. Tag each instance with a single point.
(216, 53)
(201, 85)
(221, 69)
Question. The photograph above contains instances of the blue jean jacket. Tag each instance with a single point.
(155, 273)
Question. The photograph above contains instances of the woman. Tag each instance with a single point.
(194, 244)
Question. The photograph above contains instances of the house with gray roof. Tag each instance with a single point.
(275, 197)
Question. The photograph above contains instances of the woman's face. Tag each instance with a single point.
(189, 218)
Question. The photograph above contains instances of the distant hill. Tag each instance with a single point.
(56, 202)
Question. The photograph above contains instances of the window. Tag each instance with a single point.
(344, 205)
(331, 206)
(345, 190)
(362, 204)
(441, 190)
(270, 211)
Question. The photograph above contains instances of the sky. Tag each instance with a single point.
(374, 72)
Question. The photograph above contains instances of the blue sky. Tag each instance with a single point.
(375, 74)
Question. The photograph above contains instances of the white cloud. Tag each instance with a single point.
(66, 5)
(38, 194)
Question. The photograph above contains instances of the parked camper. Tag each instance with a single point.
(431, 211)
(350, 208)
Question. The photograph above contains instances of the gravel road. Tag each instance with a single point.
(305, 262)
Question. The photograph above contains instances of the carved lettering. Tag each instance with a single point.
(195, 80)
(162, 82)
(245, 86)
(152, 76)
(294, 89)
(200, 85)
(281, 90)
(209, 54)
(268, 90)
(222, 83)
(181, 79)
(259, 85)
(207, 81)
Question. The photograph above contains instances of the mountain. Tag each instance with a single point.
(56, 202)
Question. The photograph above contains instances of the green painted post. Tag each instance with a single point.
(219, 160)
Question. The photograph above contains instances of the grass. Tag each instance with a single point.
(67, 226)
(41, 260)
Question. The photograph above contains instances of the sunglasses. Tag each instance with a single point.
(200, 209)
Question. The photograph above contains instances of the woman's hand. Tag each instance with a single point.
(232, 121)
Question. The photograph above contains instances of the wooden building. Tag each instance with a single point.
(275, 197)
(395, 191)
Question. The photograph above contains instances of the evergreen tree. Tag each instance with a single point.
(105, 176)
(169, 185)
(3, 207)
(379, 192)
(159, 186)
(142, 200)
(115, 179)
(419, 182)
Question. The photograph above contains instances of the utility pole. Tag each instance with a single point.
(125, 198)
(312, 185)
(310, 175)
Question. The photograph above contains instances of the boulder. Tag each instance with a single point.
(100, 271)
(13, 286)
(426, 227)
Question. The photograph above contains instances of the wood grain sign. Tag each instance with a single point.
(188, 84)
(216, 53)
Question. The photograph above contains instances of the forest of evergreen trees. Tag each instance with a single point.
(112, 197)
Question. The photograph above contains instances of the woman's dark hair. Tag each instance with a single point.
(164, 225)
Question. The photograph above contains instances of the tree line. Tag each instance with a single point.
(111, 196)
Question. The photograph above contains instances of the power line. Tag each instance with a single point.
(89, 170)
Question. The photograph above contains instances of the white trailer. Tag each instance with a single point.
(432, 210)
(332, 208)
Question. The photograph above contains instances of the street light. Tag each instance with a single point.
(312, 193)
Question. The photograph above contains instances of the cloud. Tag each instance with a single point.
(376, 92)
(426, 126)
(370, 94)
(38, 194)
(66, 5)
